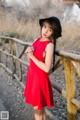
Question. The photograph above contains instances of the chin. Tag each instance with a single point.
(44, 37)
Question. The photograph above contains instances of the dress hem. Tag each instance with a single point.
(40, 108)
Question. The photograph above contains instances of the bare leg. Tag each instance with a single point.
(44, 115)
(39, 114)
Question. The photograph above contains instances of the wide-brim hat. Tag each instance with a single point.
(56, 22)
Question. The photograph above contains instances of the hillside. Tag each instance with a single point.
(22, 22)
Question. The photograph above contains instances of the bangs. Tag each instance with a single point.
(50, 23)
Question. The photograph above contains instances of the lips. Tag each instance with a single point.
(44, 34)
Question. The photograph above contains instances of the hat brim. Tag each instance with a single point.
(42, 20)
(53, 18)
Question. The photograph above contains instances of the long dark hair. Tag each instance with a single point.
(54, 56)
(56, 27)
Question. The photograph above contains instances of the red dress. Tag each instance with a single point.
(38, 88)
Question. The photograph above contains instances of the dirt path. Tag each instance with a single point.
(12, 100)
(11, 95)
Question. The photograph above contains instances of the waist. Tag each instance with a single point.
(35, 68)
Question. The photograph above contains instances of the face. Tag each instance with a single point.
(47, 31)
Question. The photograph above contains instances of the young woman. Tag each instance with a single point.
(38, 89)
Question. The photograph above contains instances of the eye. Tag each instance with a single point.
(50, 30)
(44, 26)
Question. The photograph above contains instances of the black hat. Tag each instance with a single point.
(57, 25)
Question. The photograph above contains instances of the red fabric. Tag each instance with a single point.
(38, 88)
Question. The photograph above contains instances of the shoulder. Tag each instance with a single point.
(50, 46)
(35, 41)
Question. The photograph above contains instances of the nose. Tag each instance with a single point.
(46, 30)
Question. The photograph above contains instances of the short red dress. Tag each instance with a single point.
(38, 88)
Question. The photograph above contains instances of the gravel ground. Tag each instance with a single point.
(11, 95)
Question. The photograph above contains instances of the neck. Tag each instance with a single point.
(45, 39)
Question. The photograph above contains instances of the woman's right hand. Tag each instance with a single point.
(28, 50)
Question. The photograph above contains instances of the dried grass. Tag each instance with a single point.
(10, 24)
(70, 39)
(29, 30)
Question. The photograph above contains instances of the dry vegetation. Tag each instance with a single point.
(70, 40)
(19, 28)
(24, 24)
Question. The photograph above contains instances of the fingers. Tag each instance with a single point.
(29, 49)
(29, 54)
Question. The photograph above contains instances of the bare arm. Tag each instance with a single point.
(46, 66)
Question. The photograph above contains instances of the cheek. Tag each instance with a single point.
(42, 30)
(51, 34)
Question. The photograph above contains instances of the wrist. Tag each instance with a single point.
(32, 57)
